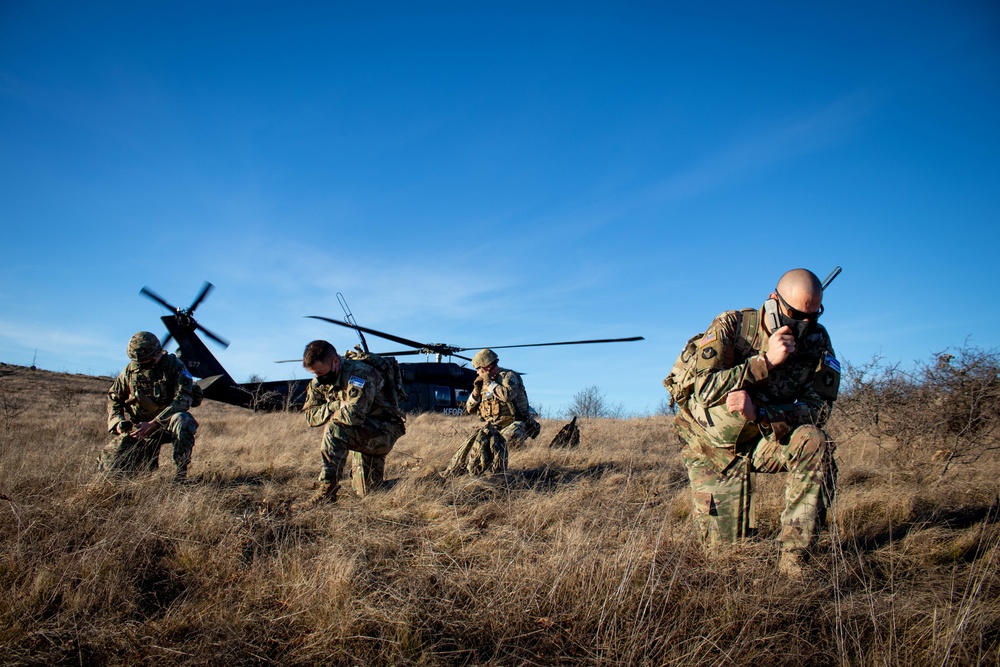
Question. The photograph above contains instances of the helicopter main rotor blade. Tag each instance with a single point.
(568, 342)
(395, 339)
(381, 354)
(218, 339)
(206, 288)
(145, 291)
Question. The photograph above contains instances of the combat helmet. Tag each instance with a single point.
(143, 346)
(484, 357)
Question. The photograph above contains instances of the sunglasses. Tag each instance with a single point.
(798, 314)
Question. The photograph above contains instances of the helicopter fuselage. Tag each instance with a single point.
(430, 387)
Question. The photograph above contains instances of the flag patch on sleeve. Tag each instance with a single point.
(832, 362)
(708, 338)
(357, 382)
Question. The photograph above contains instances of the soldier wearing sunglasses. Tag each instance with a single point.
(764, 383)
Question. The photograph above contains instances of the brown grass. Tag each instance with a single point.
(579, 556)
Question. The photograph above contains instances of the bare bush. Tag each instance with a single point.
(592, 402)
(963, 395)
(947, 410)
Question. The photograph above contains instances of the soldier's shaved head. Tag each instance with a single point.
(801, 289)
(800, 279)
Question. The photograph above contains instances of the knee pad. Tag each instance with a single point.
(808, 442)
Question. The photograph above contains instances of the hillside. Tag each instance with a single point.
(577, 557)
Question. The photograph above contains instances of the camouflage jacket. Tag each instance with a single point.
(349, 397)
(155, 394)
(801, 390)
(502, 401)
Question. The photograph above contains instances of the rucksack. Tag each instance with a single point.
(680, 382)
(392, 386)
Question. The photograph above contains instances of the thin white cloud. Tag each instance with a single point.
(32, 335)
(753, 154)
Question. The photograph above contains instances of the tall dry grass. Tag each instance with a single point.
(579, 556)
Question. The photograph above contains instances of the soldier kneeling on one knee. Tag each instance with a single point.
(349, 397)
(148, 406)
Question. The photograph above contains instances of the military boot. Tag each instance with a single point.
(181, 475)
(792, 563)
(325, 494)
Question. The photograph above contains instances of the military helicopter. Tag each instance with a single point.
(437, 386)
(214, 380)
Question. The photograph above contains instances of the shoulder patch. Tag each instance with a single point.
(831, 361)
(185, 372)
(357, 382)
(707, 338)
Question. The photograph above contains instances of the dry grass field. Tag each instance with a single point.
(577, 557)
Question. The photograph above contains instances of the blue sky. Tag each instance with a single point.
(496, 173)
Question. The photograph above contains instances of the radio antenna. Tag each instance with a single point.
(349, 316)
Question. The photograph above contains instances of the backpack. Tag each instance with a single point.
(680, 382)
(392, 386)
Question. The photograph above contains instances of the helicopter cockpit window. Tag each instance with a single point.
(442, 395)
(461, 395)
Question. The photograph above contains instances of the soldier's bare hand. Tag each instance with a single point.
(145, 428)
(740, 403)
(780, 346)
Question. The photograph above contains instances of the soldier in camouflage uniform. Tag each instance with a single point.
(759, 401)
(346, 395)
(499, 397)
(147, 406)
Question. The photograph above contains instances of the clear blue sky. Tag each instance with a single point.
(495, 173)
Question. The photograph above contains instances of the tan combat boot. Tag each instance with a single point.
(792, 564)
(325, 494)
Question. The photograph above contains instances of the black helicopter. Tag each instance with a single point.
(436, 386)
(214, 380)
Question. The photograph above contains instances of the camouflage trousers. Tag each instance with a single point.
(127, 454)
(367, 444)
(483, 453)
(515, 435)
(722, 507)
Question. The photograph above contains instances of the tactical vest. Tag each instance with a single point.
(680, 381)
(150, 390)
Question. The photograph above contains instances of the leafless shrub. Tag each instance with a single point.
(963, 396)
(592, 402)
(947, 410)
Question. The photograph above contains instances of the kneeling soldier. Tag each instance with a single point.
(147, 406)
(347, 396)
(499, 397)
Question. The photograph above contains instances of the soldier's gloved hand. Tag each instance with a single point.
(123, 427)
(490, 388)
